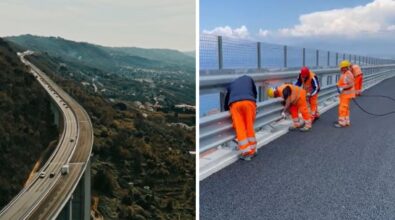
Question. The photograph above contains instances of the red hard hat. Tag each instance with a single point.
(304, 72)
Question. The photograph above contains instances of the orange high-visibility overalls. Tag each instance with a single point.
(358, 79)
(298, 104)
(243, 116)
(346, 79)
(313, 101)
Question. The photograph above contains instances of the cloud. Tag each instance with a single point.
(372, 18)
(263, 33)
(391, 28)
(226, 31)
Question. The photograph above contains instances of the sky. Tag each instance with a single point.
(365, 27)
(148, 24)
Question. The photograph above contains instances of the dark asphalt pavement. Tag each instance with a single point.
(328, 173)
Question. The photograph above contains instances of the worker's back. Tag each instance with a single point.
(242, 88)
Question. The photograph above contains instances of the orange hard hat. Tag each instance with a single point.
(304, 72)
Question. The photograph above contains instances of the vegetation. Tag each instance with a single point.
(107, 58)
(26, 127)
(142, 168)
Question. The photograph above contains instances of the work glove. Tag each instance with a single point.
(339, 90)
(283, 115)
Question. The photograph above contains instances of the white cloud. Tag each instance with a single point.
(263, 33)
(391, 28)
(372, 18)
(226, 31)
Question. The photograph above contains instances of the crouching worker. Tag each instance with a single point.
(294, 102)
(345, 87)
(309, 82)
(240, 99)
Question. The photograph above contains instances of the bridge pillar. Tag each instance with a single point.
(55, 111)
(79, 205)
(87, 191)
(67, 212)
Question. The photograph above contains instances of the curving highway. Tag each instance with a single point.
(44, 198)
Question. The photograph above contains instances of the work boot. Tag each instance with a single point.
(248, 156)
(304, 129)
(337, 125)
(294, 128)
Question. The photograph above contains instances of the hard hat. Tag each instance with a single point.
(344, 63)
(270, 92)
(304, 72)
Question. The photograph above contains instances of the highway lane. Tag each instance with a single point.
(327, 173)
(34, 198)
(48, 208)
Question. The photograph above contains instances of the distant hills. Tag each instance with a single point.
(107, 58)
(190, 53)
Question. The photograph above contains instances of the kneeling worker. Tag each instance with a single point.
(240, 99)
(294, 102)
(309, 82)
(345, 87)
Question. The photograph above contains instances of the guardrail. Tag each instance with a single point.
(216, 130)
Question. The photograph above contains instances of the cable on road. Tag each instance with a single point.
(374, 96)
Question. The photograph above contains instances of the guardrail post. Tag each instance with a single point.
(222, 101)
(304, 57)
(337, 58)
(328, 62)
(317, 58)
(258, 52)
(350, 57)
(285, 56)
(344, 56)
(70, 209)
(220, 53)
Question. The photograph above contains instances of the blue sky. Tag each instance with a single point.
(355, 26)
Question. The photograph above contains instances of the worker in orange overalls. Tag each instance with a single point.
(309, 82)
(240, 99)
(358, 78)
(345, 87)
(294, 102)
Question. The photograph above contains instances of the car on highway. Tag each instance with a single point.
(42, 174)
(52, 174)
(65, 169)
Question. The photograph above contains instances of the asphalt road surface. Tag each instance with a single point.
(328, 173)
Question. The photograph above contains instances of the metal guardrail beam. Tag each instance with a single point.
(216, 81)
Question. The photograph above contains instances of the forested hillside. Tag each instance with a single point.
(26, 123)
(142, 168)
